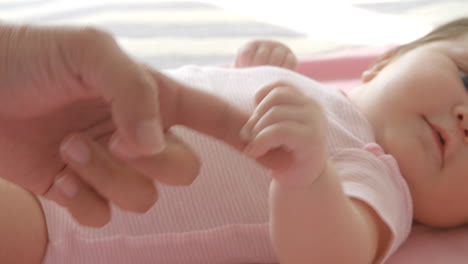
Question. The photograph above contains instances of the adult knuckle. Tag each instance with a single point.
(91, 33)
(103, 180)
(140, 193)
(90, 38)
(145, 203)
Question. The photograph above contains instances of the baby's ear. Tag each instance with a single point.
(377, 66)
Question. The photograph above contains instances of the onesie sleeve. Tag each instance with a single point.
(373, 177)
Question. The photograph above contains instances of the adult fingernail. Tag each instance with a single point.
(150, 136)
(67, 185)
(77, 150)
(121, 149)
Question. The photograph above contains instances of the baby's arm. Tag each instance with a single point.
(265, 52)
(312, 220)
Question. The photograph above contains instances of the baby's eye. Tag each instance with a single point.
(464, 78)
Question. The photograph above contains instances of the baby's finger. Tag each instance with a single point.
(272, 137)
(112, 179)
(86, 206)
(277, 89)
(278, 56)
(290, 61)
(267, 97)
(262, 55)
(287, 148)
(273, 146)
(245, 55)
(133, 95)
(281, 113)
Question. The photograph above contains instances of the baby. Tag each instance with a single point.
(321, 176)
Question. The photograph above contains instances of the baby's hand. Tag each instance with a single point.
(265, 52)
(286, 133)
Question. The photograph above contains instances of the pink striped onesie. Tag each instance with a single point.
(223, 216)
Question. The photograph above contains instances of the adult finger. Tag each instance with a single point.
(111, 178)
(83, 202)
(200, 111)
(130, 90)
(175, 165)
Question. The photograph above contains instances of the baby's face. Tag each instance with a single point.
(418, 106)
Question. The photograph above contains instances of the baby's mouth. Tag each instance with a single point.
(439, 138)
(442, 140)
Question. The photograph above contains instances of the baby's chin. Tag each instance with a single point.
(433, 209)
(438, 220)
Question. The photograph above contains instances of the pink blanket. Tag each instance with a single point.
(425, 245)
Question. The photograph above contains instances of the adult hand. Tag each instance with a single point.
(80, 122)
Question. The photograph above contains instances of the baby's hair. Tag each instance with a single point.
(450, 30)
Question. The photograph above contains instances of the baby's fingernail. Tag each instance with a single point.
(150, 136)
(77, 150)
